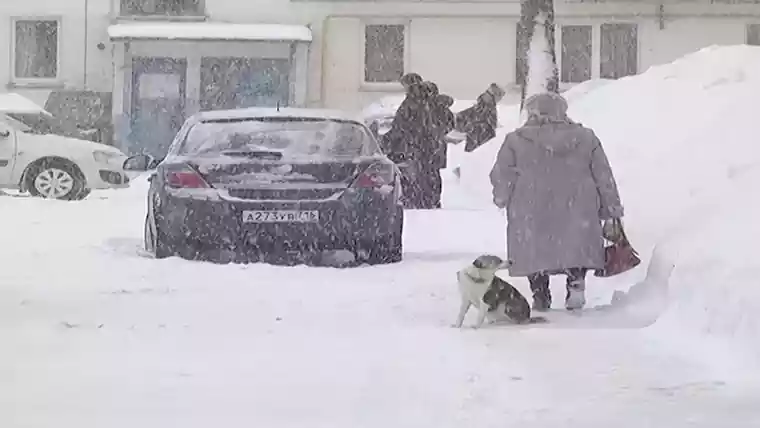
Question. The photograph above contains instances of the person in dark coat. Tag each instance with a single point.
(408, 119)
(405, 137)
(436, 150)
(427, 184)
(479, 122)
(557, 186)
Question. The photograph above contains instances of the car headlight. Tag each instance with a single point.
(101, 156)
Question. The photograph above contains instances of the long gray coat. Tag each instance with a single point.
(555, 181)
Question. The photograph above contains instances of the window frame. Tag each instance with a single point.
(637, 27)
(120, 14)
(561, 60)
(36, 81)
(383, 86)
(748, 28)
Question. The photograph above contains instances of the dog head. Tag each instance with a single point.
(487, 265)
(490, 262)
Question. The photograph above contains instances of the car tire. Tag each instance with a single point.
(56, 179)
(389, 249)
(82, 194)
(156, 242)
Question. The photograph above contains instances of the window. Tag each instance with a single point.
(383, 53)
(303, 137)
(36, 50)
(753, 34)
(576, 53)
(161, 7)
(619, 51)
(228, 83)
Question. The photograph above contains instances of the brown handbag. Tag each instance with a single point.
(620, 256)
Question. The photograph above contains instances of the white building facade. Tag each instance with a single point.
(163, 60)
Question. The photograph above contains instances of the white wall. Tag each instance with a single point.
(72, 46)
(464, 54)
(462, 46)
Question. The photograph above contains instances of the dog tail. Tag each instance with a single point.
(537, 320)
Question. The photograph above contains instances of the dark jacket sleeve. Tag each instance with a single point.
(611, 206)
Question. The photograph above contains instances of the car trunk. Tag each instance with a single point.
(278, 179)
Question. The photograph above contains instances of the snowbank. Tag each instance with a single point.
(682, 139)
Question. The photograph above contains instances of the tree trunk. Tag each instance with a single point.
(537, 60)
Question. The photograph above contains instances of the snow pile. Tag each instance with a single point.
(682, 139)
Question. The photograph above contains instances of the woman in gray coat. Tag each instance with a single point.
(555, 181)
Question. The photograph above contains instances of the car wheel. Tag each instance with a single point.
(56, 179)
(390, 249)
(82, 194)
(156, 242)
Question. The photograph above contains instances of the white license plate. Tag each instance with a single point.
(289, 216)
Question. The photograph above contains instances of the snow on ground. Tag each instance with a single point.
(94, 334)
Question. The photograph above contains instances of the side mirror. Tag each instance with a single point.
(139, 163)
(374, 127)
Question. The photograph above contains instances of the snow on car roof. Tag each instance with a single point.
(295, 112)
(209, 31)
(11, 102)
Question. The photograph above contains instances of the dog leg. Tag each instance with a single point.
(483, 311)
(463, 308)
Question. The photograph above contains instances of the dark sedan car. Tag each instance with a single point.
(257, 181)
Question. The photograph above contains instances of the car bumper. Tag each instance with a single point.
(352, 220)
(105, 177)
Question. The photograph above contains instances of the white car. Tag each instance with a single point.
(40, 156)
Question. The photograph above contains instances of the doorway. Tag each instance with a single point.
(158, 103)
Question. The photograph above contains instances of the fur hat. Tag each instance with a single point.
(430, 89)
(496, 92)
(546, 105)
(410, 79)
(444, 100)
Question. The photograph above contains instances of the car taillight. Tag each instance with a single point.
(185, 179)
(375, 176)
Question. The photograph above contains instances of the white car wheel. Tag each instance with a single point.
(56, 179)
(53, 183)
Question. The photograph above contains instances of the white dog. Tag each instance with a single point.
(474, 281)
(493, 297)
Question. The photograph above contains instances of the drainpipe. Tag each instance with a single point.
(661, 15)
(86, 40)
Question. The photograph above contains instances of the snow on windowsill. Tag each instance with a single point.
(209, 31)
(35, 84)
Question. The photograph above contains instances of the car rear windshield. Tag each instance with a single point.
(290, 136)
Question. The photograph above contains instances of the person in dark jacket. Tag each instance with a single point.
(479, 122)
(407, 133)
(435, 150)
(426, 157)
(406, 121)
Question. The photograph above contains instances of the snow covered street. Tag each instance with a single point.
(96, 335)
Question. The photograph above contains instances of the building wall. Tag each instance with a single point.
(77, 44)
(463, 55)
(462, 46)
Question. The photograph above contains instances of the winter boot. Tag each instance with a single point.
(576, 294)
(542, 298)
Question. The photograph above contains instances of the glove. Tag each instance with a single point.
(612, 229)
